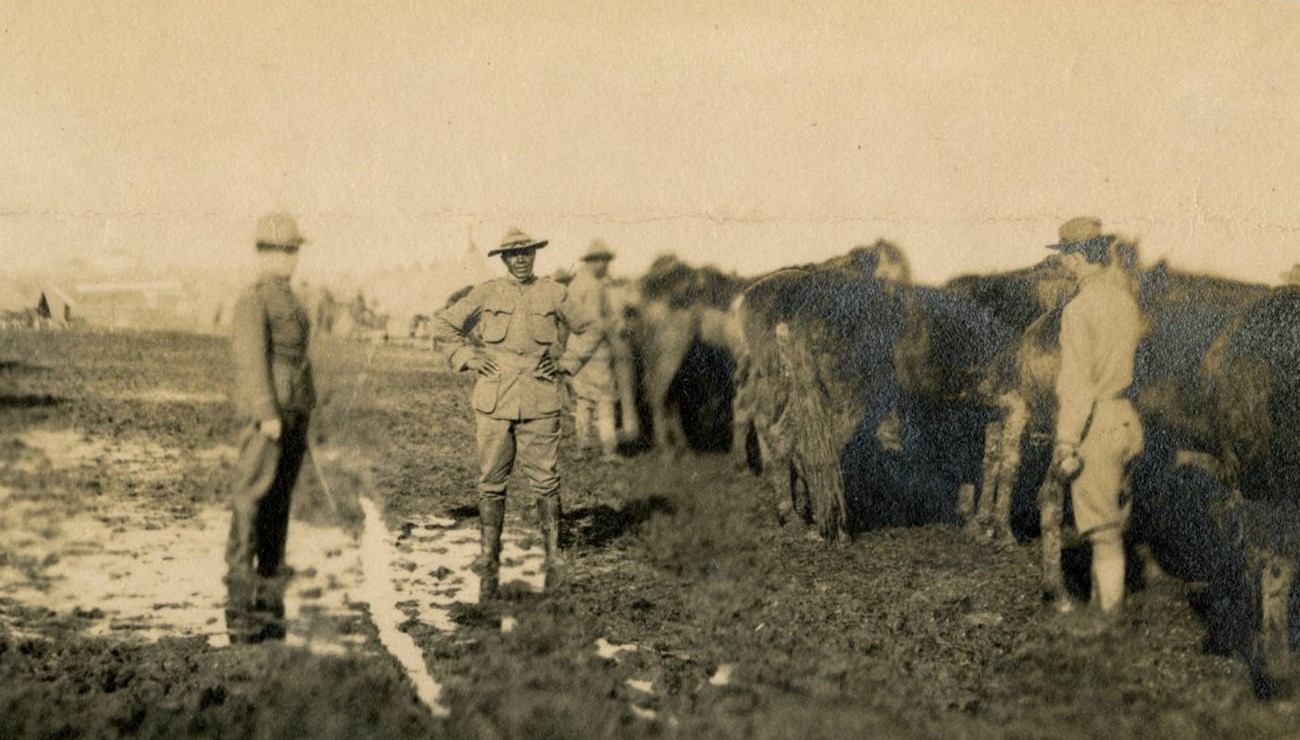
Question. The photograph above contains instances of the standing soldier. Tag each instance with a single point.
(522, 321)
(1098, 432)
(594, 384)
(274, 395)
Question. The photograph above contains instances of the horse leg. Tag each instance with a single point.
(668, 432)
(1051, 502)
(1008, 470)
(1272, 669)
(978, 519)
(742, 422)
(625, 384)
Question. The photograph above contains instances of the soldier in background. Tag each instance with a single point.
(522, 321)
(593, 386)
(1098, 431)
(273, 396)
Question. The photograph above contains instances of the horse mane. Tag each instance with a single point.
(681, 285)
(1163, 282)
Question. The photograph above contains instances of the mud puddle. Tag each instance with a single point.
(69, 449)
(124, 573)
(129, 571)
(132, 570)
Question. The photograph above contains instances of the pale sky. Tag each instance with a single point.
(749, 135)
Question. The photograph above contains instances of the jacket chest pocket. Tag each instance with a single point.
(542, 325)
(495, 320)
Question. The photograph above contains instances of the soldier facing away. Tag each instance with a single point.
(523, 321)
(274, 395)
(593, 386)
(1098, 432)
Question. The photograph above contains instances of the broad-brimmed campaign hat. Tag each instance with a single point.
(1078, 234)
(278, 231)
(597, 250)
(516, 240)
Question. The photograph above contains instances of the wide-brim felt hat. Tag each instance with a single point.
(597, 250)
(516, 240)
(278, 230)
(1079, 234)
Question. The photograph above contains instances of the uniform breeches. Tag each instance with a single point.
(534, 443)
(595, 381)
(1099, 494)
(265, 475)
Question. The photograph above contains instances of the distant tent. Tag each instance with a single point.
(55, 306)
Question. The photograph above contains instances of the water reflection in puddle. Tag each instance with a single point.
(132, 576)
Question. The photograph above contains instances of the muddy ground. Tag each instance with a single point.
(688, 610)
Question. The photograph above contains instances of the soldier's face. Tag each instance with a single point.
(520, 262)
(278, 262)
(600, 268)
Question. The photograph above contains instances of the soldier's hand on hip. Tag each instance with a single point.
(547, 369)
(482, 363)
(270, 428)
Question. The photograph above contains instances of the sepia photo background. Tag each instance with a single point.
(750, 135)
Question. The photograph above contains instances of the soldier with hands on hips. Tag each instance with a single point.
(523, 321)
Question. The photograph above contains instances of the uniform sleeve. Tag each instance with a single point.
(449, 325)
(582, 303)
(1075, 394)
(250, 346)
(584, 334)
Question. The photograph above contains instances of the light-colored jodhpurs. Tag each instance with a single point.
(533, 443)
(1113, 439)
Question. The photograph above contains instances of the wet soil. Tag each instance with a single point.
(687, 609)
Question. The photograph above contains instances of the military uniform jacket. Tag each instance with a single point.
(269, 335)
(519, 324)
(1100, 331)
(588, 295)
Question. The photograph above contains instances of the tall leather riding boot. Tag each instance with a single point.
(268, 605)
(548, 512)
(491, 516)
(241, 625)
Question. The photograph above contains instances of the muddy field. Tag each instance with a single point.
(688, 609)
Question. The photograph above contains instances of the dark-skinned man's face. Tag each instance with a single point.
(520, 262)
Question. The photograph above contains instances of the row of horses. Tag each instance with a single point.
(866, 400)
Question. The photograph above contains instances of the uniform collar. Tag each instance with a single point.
(516, 281)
